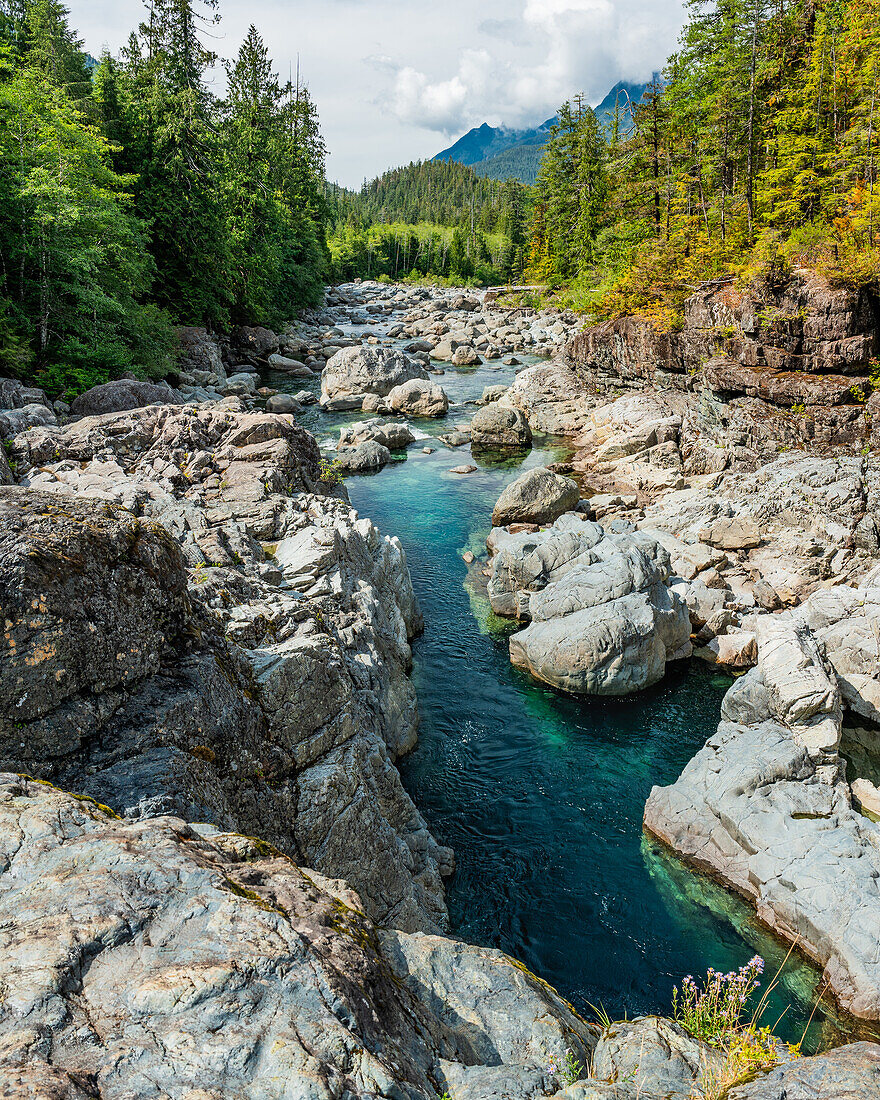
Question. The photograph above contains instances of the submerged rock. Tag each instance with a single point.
(497, 426)
(537, 496)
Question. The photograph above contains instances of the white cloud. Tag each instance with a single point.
(553, 49)
(394, 79)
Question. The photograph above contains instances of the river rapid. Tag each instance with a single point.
(540, 794)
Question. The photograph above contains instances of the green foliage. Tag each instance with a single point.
(433, 218)
(273, 155)
(568, 1071)
(135, 198)
(759, 152)
(715, 1012)
(73, 255)
(414, 252)
(712, 1011)
(571, 195)
(331, 472)
(442, 192)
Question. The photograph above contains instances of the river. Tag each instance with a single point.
(541, 794)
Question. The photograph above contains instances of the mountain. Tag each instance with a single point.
(622, 94)
(520, 161)
(484, 142)
(498, 152)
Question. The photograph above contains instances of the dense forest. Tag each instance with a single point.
(430, 218)
(442, 192)
(758, 150)
(132, 199)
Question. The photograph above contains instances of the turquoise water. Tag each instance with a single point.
(540, 794)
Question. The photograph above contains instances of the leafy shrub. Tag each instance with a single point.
(714, 1012)
(331, 472)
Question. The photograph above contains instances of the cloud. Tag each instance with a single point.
(505, 30)
(575, 45)
(393, 79)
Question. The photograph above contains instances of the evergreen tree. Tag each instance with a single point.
(571, 190)
(513, 225)
(174, 150)
(72, 256)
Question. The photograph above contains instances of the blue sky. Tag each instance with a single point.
(397, 80)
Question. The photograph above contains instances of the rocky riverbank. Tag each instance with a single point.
(693, 439)
(201, 633)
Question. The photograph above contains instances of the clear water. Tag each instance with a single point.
(540, 794)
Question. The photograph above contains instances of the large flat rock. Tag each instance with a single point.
(764, 807)
(153, 959)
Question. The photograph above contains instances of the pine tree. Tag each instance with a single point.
(176, 154)
(572, 190)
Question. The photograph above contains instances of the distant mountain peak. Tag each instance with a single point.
(498, 152)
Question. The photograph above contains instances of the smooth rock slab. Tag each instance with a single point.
(154, 959)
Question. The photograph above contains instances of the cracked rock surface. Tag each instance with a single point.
(195, 627)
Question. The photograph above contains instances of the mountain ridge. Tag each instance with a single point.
(499, 152)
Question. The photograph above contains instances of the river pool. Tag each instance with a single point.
(541, 794)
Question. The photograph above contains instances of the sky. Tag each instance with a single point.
(399, 80)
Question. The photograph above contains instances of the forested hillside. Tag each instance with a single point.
(446, 193)
(522, 162)
(430, 218)
(758, 151)
(131, 198)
